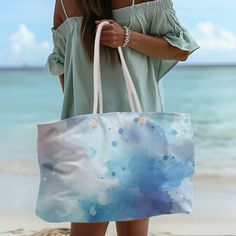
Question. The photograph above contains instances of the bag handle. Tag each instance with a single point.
(132, 94)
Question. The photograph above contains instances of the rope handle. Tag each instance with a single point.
(98, 99)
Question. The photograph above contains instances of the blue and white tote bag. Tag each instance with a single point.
(115, 166)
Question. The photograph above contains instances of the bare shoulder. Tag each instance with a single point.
(61, 12)
(57, 19)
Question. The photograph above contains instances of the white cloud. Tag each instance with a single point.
(211, 37)
(24, 49)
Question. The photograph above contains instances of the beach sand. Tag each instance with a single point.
(214, 213)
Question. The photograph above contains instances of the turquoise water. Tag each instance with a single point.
(207, 94)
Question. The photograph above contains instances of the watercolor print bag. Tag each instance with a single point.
(115, 166)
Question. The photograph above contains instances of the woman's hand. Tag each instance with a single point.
(112, 34)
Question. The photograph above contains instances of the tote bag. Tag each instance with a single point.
(115, 166)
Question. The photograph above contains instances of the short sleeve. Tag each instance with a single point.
(167, 25)
(55, 61)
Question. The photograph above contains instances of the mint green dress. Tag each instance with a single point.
(156, 18)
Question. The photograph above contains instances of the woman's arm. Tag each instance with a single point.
(61, 77)
(113, 36)
(154, 46)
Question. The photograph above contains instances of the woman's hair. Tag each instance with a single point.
(95, 10)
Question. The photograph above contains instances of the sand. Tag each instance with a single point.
(214, 213)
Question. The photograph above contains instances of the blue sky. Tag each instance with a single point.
(26, 36)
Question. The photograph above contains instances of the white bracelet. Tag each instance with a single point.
(127, 36)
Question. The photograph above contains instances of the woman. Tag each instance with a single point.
(157, 41)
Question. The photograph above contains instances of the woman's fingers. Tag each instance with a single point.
(112, 34)
(106, 33)
(105, 28)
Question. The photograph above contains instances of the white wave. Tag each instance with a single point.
(20, 167)
(217, 173)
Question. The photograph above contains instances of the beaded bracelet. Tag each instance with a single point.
(127, 36)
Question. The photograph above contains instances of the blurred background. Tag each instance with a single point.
(204, 86)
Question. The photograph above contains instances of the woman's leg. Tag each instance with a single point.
(88, 229)
(132, 227)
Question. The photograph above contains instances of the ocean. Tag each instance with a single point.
(28, 97)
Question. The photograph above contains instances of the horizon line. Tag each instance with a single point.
(184, 66)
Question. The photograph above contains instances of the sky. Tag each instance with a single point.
(26, 38)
